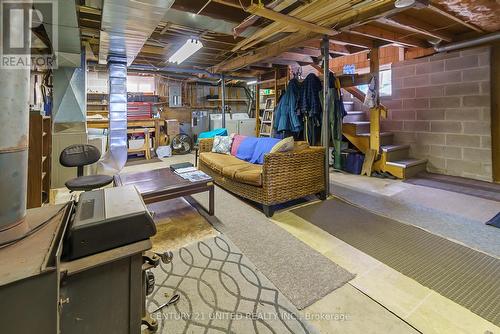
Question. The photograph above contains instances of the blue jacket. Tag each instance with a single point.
(286, 115)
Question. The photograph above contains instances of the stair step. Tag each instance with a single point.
(385, 137)
(396, 152)
(382, 134)
(361, 126)
(348, 105)
(407, 163)
(392, 148)
(354, 116)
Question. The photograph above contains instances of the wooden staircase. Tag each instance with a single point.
(394, 159)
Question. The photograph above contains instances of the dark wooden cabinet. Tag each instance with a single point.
(39, 159)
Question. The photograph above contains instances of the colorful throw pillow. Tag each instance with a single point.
(283, 145)
(237, 140)
(222, 144)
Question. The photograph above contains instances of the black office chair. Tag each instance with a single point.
(78, 156)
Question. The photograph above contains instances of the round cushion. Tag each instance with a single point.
(88, 182)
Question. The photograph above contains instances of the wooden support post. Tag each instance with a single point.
(375, 112)
(495, 111)
(325, 128)
(257, 108)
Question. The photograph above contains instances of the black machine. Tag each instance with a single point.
(106, 219)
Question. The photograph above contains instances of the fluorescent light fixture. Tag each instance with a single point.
(186, 51)
(404, 3)
(251, 82)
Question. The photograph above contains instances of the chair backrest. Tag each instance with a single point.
(79, 155)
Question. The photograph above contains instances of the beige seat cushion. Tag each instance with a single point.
(230, 171)
(233, 168)
(218, 161)
(251, 174)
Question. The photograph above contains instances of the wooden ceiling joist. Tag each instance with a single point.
(454, 18)
(409, 23)
(287, 19)
(296, 57)
(388, 36)
(353, 39)
(330, 12)
(267, 51)
(276, 5)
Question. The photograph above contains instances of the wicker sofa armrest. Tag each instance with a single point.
(295, 173)
(205, 145)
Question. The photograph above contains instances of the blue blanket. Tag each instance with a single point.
(253, 149)
(213, 133)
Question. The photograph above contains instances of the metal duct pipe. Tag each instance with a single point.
(466, 44)
(115, 158)
(127, 24)
(14, 124)
(173, 69)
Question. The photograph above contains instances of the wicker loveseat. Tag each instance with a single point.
(284, 176)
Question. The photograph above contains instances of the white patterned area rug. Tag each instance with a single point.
(220, 291)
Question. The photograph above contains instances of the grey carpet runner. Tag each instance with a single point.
(302, 274)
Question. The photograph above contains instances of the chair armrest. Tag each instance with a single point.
(295, 169)
(205, 145)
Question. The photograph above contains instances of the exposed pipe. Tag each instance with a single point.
(466, 44)
(223, 97)
(173, 69)
(205, 5)
(14, 124)
(325, 129)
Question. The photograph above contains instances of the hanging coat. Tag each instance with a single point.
(310, 107)
(286, 116)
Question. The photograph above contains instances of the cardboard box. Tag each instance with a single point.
(173, 127)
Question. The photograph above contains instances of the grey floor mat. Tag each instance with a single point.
(302, 274)
(482, 189)
(466, 276)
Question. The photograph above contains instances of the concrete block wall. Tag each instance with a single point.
(441, 106)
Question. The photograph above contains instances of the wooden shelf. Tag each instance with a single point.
(228, 100)
(39, 159)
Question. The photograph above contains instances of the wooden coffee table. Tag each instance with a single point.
(162, 184)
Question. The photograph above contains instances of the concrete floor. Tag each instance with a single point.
(379, 299)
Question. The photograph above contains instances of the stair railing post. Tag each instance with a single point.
(375, 112)
(325, 128)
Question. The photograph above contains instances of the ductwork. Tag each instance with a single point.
(126, 25)
(204, 22)
(63, 31)
(14, 124)
(470, 43)
(172, 69)
(116, 156)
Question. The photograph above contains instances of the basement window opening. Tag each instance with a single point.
(385, 78)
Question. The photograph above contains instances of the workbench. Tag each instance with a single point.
(155, 123)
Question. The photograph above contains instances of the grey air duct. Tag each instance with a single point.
(125, 27)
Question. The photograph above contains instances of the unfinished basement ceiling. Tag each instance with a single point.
(356, 25)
